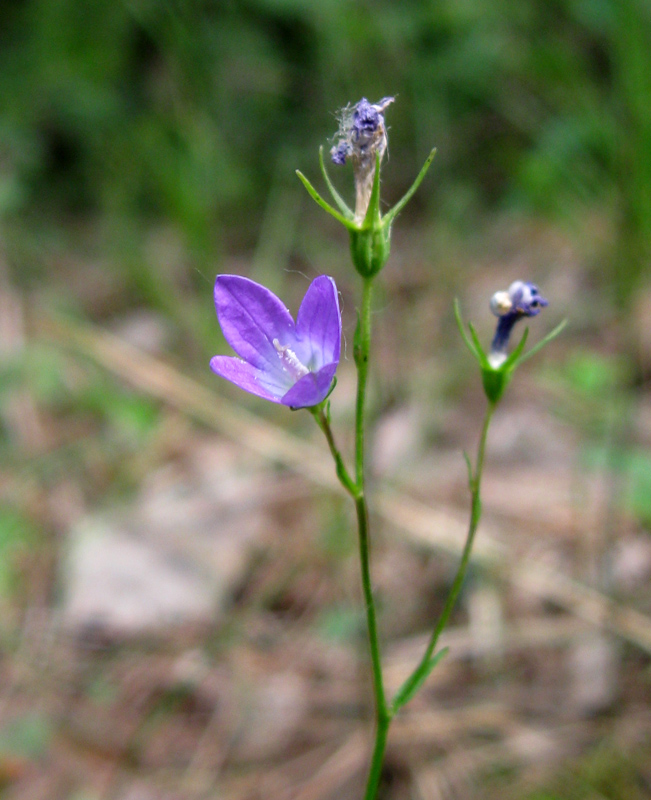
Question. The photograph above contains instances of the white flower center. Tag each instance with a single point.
(290, 361)
(496, 358)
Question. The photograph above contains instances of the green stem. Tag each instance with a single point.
(421, 670)
(362, 356)
(382, 712)
(361, 507)
(342, 473)
(377, 759)
(357, 489)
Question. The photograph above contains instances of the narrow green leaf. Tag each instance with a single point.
(511, 361)
(392, 213)
(542, 342)
(324, 205)
(416, 680)
(484, 362)
(462, 330)
(341, 203)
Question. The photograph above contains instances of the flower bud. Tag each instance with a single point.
(521, 300)
(369, 249)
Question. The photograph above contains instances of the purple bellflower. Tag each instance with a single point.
(362, 134)
(520, 300)
(282, 361)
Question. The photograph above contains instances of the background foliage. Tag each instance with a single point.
(192, 112)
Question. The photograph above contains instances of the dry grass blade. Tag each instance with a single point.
(428, 527)
(18, 412)
(457, 774)
(349, 760)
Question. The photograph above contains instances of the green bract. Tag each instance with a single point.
(496, 378)
(370, 240)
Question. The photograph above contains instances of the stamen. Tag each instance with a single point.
(290, 361)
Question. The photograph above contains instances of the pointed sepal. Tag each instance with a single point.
(339, 201)
(474, 346)
(393, 213)
(348, 223)
(539, 345)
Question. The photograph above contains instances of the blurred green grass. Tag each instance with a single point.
(191, 113)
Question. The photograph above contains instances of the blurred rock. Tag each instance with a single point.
(139, 790)
(486, 622)
(145, 330)
(594, 666)
(273, 710)
(397, 440)
(120, 582)
(631, 563)
(172, 557)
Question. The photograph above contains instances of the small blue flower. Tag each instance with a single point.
(522, 299)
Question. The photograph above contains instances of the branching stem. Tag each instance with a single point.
(356, 488)
(474, 480)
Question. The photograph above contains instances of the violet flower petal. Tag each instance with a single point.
(318, 324)
(311, 389)
(248, 377)
(251, 317)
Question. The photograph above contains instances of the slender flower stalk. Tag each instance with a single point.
(356, 487)
(382, 712)
(362, 358)
(363, 141)
(429, 659)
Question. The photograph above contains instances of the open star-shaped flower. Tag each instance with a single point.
(282, 361)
